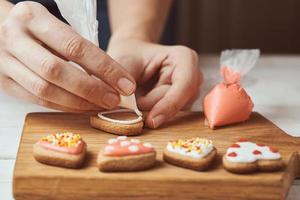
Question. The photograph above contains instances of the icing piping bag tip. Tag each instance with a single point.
(138, 112)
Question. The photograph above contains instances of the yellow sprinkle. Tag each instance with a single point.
(194, 144)
(65, 139)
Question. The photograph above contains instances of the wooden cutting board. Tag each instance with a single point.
(33, 180)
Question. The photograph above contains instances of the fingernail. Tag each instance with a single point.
(126, 85)
(111, 99)
(158, 120)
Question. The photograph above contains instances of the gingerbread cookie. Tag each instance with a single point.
(60, 149)
(246, 157)
(123, 154)
(196, 153)
(120, 122)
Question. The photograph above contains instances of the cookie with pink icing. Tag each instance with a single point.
(246, 157)
(125, 154)
(60, 149)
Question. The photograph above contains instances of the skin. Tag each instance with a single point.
(35, 48)
(167, 76)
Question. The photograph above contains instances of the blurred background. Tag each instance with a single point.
(209, 26)
(212, 25)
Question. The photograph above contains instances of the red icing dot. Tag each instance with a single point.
(273, 149)
(256, 152)
(232, 154)
(260, 144)
(243, 140)
(235, 146)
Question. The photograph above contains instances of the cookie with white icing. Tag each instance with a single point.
(120, 122)
(60, 149)
(124, 154)
(195, 153)
(246, 157)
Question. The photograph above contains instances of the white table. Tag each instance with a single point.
(274, 86)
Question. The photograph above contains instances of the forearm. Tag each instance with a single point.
(139, 19)
(5, 7)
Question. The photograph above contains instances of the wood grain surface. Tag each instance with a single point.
(33, 180)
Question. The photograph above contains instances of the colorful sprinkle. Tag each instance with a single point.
(260, 144)
(194, 144)
(66, 139)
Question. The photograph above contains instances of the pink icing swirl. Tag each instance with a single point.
(73, 150)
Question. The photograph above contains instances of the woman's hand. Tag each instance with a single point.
(35, 48)
(168, 76)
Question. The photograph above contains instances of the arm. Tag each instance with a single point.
(167, 76)
(139, 19)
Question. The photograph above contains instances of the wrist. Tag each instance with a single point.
(116, 41)
(132, 34)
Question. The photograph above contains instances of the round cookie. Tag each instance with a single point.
(60, 149)
(247, 157)
(196, 153)
(119, 122)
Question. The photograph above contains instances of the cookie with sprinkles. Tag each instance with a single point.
(247, 157)
(195, 153)
(60, 149)
(124, 154)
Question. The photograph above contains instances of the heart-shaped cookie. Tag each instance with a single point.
(124, 154)
(194, 153)
(60, 149)
(120, 122)
(246, 157)
(227, 104)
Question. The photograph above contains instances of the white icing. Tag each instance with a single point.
(131, 121)
(124, 143)
(147, 144)
(130, 103)
(133, 148)
(112, 140)
(138, 112)
(122, 138)
(109, 148)
(245, 153)
(136, 141)
(205, 150)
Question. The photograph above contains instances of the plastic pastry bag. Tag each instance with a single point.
(228, 102)
(82, 16)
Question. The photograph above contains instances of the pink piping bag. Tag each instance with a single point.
(228, 102)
